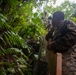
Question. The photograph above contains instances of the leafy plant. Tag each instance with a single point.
(17, 22)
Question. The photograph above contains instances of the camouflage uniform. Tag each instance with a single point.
(65, 41)
(69, 62)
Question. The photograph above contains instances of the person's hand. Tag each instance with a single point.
(49, 44)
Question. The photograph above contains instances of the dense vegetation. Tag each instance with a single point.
(19, 23)
(16, 24)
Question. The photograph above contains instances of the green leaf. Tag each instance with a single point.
(35, 15)
(36, 20)
(2, 71)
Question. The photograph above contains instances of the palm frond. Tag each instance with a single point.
(2, 18)
(12, 39)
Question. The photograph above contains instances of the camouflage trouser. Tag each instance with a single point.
(69, 62)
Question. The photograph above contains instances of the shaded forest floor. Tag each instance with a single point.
(41, 67)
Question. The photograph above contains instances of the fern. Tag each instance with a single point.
(12, 39)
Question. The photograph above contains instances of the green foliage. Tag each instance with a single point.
(17, 21)
(74, 19)
(67, 7)
(11, 46)
(34, 28)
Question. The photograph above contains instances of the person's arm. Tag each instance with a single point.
(49, 34)
(64, 43)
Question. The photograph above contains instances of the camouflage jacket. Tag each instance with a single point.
(64, 36)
